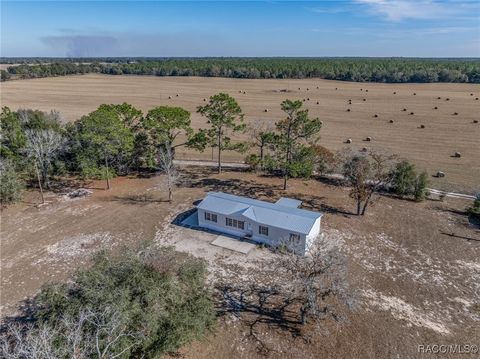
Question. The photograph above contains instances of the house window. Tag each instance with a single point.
(230, 222)
(210, 217)
(263, 230)
(295, 238)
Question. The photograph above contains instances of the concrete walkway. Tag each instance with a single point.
(233, 244)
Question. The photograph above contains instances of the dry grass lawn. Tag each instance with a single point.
(414, 266)
(430, 148)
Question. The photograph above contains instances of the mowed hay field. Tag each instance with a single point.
(447, 129)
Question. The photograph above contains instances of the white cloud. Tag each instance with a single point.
(398, 10)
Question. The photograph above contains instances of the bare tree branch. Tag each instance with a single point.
(165, 159)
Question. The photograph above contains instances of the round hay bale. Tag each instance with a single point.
(440, 174)
(375, 115)
(349, 140)
(457, 155)
(169, 97)
(368, 139)
(422, 126)
(475, 121)
(404, 110)
(391, 121)
(266, 110)
(348, 110)
(239, 91)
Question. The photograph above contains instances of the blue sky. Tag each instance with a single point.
(423, 28)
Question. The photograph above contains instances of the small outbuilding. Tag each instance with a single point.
(274, 224)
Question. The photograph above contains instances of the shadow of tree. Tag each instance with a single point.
(253, 189)
(136, 199)
(256, 305)
(461, 237)
(235, 186)
(315, 203)
(25, 314)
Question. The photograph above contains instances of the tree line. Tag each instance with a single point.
(390, 70)
(118, 139)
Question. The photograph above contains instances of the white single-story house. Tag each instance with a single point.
(275, 224)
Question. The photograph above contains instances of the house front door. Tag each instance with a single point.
(249, 229)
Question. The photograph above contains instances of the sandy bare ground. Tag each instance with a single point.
(431, 148)
(414, 266)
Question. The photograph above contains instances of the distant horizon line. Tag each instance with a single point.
(240, 57)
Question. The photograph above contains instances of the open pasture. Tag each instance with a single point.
(426, 123)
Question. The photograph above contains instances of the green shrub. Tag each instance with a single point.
(406, 181)
(156, 300)
(94, 172)
(403, 179)
(420, 187)
(11, 186)
(253, 161)
(474, 209)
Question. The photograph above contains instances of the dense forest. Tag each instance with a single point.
(393, 70)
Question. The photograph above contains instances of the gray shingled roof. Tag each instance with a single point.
(271, 214)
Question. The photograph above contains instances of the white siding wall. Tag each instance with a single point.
(220, 225)
(314, 232)
(276, 236)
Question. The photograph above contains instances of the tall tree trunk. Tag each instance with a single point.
(39, 183)
(287, 159)
(44, 171)
(261, 157)
(366, 203)
(170, 189)
(285, 168)
(106, 170)
(219, 153)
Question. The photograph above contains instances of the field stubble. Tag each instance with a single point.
(372, 108)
